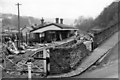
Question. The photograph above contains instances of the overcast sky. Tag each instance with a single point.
(55, 8)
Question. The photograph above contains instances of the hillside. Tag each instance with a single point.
(108, 17)
(11, 21)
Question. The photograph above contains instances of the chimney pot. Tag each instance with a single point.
(42, 21)
(57, 20)
(61, 21)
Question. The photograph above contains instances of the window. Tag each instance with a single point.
(41, 35)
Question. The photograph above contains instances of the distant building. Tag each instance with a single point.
(48, 32)
(26, 30)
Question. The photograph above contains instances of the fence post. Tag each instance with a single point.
(48, 61)
(29, 69)
(44, 61)
(46, 56)
(26, 38)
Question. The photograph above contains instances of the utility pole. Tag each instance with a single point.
(118, 1)
(118, 13)
(19, 37)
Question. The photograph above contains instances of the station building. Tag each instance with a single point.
(49, 32)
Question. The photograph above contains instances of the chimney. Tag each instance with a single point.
(61, 21)
(57, 20)
(42, 21)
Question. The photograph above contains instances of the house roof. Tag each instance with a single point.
(46, 27)
(29, 28)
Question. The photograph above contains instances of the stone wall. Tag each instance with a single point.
(63, 59)
(105, 34)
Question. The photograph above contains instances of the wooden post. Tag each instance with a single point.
(29, 70)
(29, 35)
(48, 61)
(40, 36)
(26, 37)
(60, 36)
(44, 61)
(19, 35)
(46, 56)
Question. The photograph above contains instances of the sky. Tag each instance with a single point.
(55, 8)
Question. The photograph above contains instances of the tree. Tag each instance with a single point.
(84, 23)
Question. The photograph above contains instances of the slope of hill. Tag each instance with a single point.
(11, 21)
(108, 17)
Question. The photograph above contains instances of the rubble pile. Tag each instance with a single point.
(17, 63)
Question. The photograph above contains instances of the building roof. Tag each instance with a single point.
(52, 26)
(29, 28)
